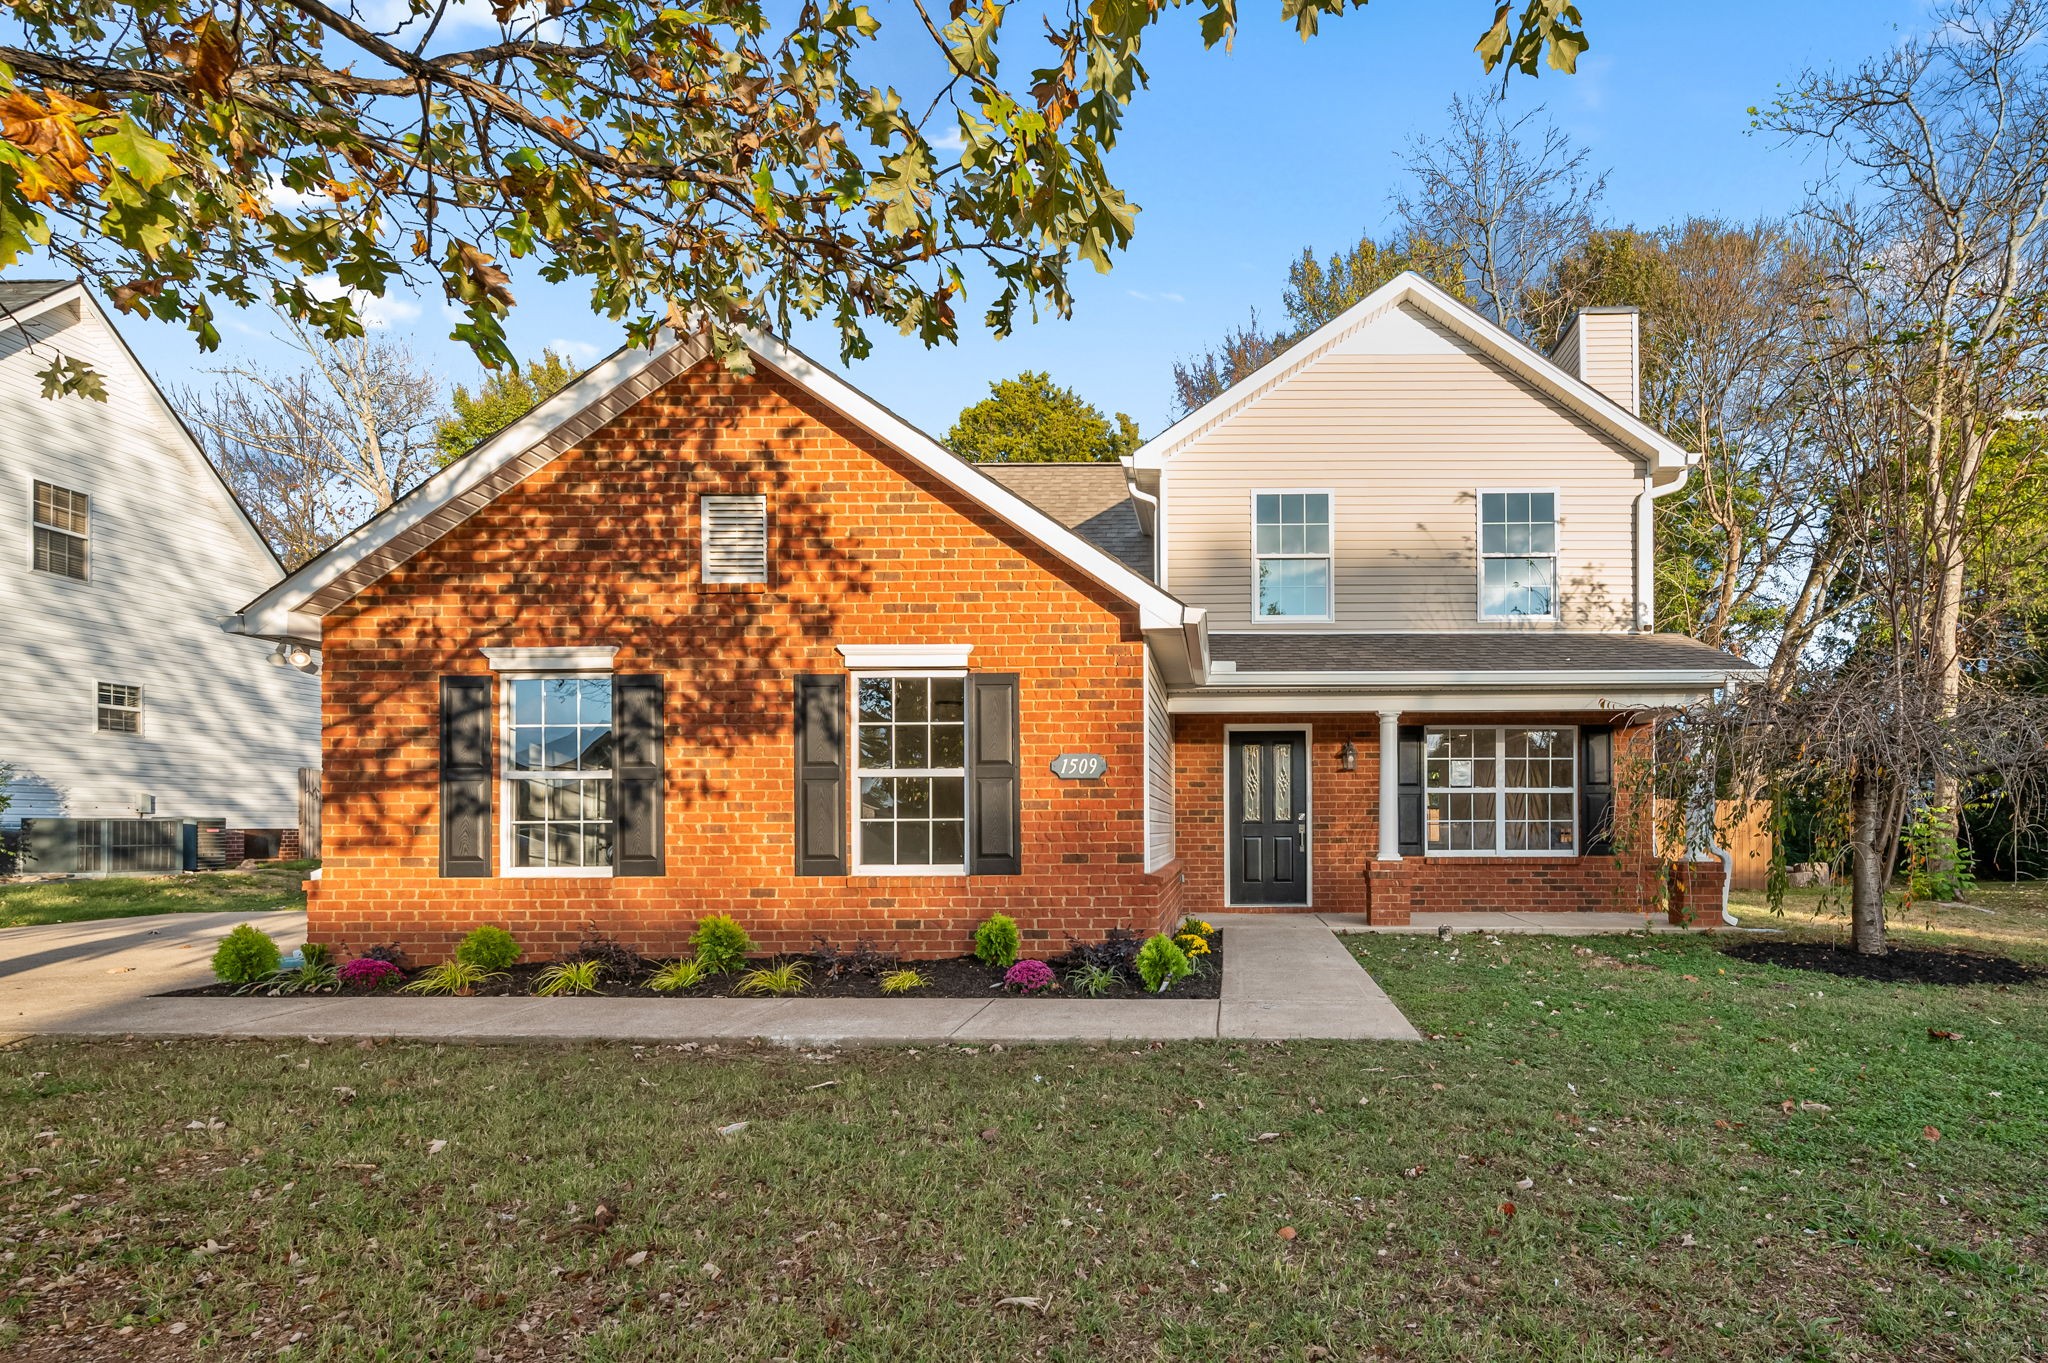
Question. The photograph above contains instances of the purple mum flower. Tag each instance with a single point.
(367, 972)
(1029, 976)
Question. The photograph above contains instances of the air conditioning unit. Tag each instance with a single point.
(145, 804)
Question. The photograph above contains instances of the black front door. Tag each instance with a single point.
(1267, 791)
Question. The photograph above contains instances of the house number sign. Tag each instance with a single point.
(1079, 766)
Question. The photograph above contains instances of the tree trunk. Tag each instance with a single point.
(1867, 863)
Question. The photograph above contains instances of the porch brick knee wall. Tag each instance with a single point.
(600, 546)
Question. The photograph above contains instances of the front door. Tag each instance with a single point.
(1267, 791)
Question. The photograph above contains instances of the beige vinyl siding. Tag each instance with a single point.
(1404, 442)
(1159, 811)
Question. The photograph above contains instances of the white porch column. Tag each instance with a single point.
(1390, 785)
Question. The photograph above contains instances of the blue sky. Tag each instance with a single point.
(1240, 159)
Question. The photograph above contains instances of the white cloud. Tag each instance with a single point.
(1144, 297)
(583, 352)
(378, 314)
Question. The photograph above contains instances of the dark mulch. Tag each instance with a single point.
(960, 977)
(1900, 965)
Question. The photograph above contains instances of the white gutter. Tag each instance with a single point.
(1224, 675)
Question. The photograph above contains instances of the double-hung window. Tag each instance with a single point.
(120, 708)
(1518, 555)
(558, 775)
(62, 521)
(1291, 555)
(1511, 790)
(911, 763)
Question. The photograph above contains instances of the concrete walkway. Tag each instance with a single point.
(1284, 978)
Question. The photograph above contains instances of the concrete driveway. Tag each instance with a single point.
(76, 975)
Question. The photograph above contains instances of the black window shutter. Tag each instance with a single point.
(465, 776)
(1409, 763)
(994, 794)
(636, 779)
(1596, 792)
(820, 775)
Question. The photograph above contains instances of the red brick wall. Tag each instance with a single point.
(1344, 836)
(600, 547)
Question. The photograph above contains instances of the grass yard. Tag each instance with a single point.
(32, 903)
(2002, 917)
(1595, 1161)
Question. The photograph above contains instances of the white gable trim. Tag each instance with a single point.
(1669, 460)
(22, 316)
(295, 606)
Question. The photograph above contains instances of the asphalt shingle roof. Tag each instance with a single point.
(1089, 499)
(21, 293)
(1469, 651)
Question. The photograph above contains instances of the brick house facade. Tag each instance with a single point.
(688, 641)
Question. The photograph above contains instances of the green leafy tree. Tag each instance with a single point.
(727, 162)
(499, 400)
(1031, 420)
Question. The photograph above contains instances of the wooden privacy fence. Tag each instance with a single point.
(1745, 835)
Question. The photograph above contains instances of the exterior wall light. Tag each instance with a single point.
(1347, 756)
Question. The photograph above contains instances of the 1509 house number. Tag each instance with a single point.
(1079, 766)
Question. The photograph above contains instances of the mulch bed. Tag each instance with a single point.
(1900, 965)
(960, 977)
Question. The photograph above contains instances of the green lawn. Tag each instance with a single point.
(1624, 1096)
(2001, 917)
(70, 901)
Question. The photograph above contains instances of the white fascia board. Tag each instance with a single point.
(1668, 459)
(1209, 701)
(1487, 680)
(278, 611)
(562, 658)
(22, 316)
(1156, 609)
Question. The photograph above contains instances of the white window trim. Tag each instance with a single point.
(534, 662)
(859, 867)
(1500, 793)
(1308, 807)
(1479, 557)
(1252, 538)
(506, 776)
(92, 504)
(759, 501)
(907, 659)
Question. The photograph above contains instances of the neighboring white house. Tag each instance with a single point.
(121, 551)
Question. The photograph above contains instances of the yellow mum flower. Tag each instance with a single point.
(1194, 943)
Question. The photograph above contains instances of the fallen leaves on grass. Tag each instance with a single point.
(1932, 1133)
(1022, 1303)
(733, 1128)
(1936, 1034)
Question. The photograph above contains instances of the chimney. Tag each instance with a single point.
(1600, 349)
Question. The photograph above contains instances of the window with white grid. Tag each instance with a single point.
(120, 708)
(1501, 789)
(1518, 555)
(62, 521)
(558, 775)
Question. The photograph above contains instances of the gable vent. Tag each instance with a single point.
(735, 538)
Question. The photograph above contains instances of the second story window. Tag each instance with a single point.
(62, 518)
(120, 708)
(1291, 555)
(1517, 555)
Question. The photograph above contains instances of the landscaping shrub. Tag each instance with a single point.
(452, 977)
(904, 981)
(388, 953)
(780, 980)
(997, 942)
(1117, 952)
(1092, 981)
(615, 960)
(721, 944)
(1161, 962)
(864, 958)
(314, 974)
(1029, 977)
(568, 977)
(370, 972)
(246, 956)
(677, 976)
(488, 949)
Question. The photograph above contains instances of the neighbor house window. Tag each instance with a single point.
(911, 761)
(1517, 555)
(1506, 790)
(1291, 551)
(735, 532)
(558, 774)
(120, 708)
(61, 521)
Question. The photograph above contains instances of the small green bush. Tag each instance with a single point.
(1161, 962)
(488, 948)
(451, 977)
(1090, 980)
(997, 943)
(721, 944)
(677, 976)
(781, 980)
(904, 981)
(245, 956)
(568, 977)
